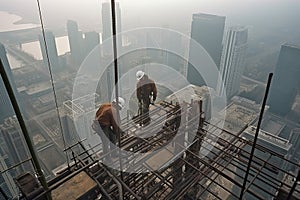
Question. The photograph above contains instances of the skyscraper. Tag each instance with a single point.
(75, 42)
(7, 183)
(91, 40)
(286, 80)
(16, 147)
(13, 151)
(207, 30)
(233, 60)
(51, 50)
(172, 41)
(107, 26)
(275, 144)
(6, 109)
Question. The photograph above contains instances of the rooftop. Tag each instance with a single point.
(270, 138)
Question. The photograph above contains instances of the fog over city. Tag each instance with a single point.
(207, 64)
(260, 15)
(270, 22)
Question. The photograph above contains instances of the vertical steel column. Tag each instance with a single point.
(18, 113)
(256, 134)
(51, 78)
(179, 142)
(115, 52)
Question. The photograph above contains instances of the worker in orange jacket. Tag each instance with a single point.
(107, 122)
(146, 89)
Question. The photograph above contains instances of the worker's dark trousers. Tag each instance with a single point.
(109, 141)
(145, 112)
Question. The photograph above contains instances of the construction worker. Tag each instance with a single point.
(146, 89)
(106, 121)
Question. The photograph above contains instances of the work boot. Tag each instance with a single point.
(146, 121)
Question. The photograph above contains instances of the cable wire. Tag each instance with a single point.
(51, 78)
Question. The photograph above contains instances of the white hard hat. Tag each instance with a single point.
(139, 75)
(121, 102)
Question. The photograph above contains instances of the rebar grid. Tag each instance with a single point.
(191, 174)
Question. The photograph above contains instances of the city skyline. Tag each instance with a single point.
(50, 110)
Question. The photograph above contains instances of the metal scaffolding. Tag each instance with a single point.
(189, 173)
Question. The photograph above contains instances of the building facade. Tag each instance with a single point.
(16, 147)
(275, 166)
(75, 42)
(50, 49)
(207, 30)
(91, 40)
(6, 109)
(286, 82)
(233, 61)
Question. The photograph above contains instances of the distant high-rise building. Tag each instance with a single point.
(75, 42)
(6, 108)
(51, 50)
(271, 142)
(173, 42)
(207, 30)
(233, 61)
(13, 151)
(286, 81)
(15, 145)
(91, 40)
(7, 183)
(107, 26)
(294, 138)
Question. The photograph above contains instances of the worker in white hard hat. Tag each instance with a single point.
(107, 122)
(146, 94)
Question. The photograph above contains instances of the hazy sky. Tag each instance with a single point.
(260, 14)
